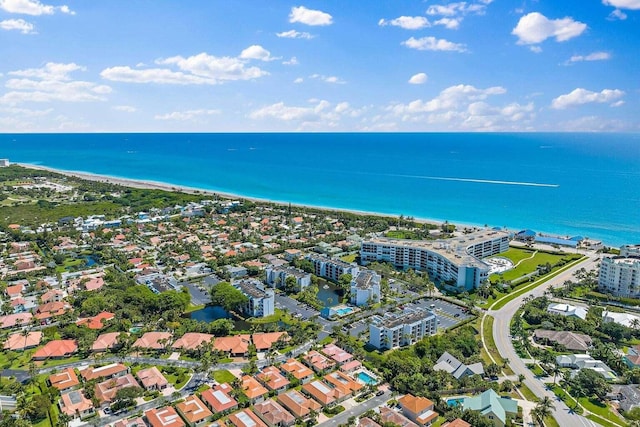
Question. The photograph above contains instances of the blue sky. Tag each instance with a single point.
(332, 65)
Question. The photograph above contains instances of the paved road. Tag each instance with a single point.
(359, 409)
(501, 333)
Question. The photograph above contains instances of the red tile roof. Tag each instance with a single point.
(56, 349)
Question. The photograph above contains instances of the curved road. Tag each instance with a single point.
(501, 336)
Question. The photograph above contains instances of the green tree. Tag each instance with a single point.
(228, 297)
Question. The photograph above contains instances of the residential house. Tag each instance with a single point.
(158, 341)
(570, 340)
(106, 341)
(152, 379)
(567, 310)
(65, 380)
(235, 345)
(337, 354)
(273, 414)
(367, 422)
(111, 370)
(106, 390)
(56, 349)
(264, 341)
(323, 393)
(253, 389)
(273, 380)
(299, 405)
(246, 418)
(632, 356)
(459, 370)
(296, 369)
(131, 422)
(219, 399)
(46, 312)
(96, 322)
(318, 362)
(627, 397)
(342, 382)
(390, 416)
(584, 361)
(163, 417)
(458, 422)
(18, 341)
(15, 320)
(418, 409)
(54, 295)
(193, 411)
(76, 405)
(492, 407)
(351, 366)
(191, 341)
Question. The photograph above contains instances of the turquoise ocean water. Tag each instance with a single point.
(562, 183)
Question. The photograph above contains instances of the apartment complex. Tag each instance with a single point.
(276, 277)
(398, 330)
(330, 268)
(620, 275)
(365, 288)
(456, 262)
(260, 302)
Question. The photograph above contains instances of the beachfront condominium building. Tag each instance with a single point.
(398, 330)
(620, 275)
(456, 262)
(630, 250)
(330, 268)
(365, 288)
(260, 302)
(276, 277)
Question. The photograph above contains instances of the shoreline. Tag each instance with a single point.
(158, 185)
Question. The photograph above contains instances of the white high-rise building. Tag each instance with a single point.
(620, 276)
(456, 262)
(330, 268)
(365, 288)
(409, 327)
(276, 277)
(261, 301)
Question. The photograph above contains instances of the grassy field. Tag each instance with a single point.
(601, 409)
(528, 264)
(223, 376)
(570, 401)
(551, 422)
(349, 258)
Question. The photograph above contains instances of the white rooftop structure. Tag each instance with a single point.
(624, 319)
(567, 310)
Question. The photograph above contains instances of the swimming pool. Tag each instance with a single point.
(455, 402)
(366, 378)
(343, 311)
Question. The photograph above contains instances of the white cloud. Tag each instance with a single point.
(458, 8)
(418, 79)
(257, 52)
(32, 7)
(465, 107)
(293, 34)
(19, 25)
(309, 16)
(431, 43)
(186, 115)
(327, 79)
(449, 23)
(595, 56)
(535, 49)
(535, 28)
(407, 22)
(582, 96)
(292, 61)
(623, 4)
(125, 108)
(320, 113)
(617, 15)
(194, 70)
(51, 83)
(298, 80)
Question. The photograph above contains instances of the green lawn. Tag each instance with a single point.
(517, 254)
(598, 408)
(223, 376)
(527, 393)
(551, 422)
(602, 422)
(349, 258)
(537, 370)
(529, 265)
(570, 401)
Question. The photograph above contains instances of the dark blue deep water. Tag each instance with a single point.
(563, 183)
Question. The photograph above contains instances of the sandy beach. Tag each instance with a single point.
(155, 185)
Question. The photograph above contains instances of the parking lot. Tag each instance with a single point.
(198, 295)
